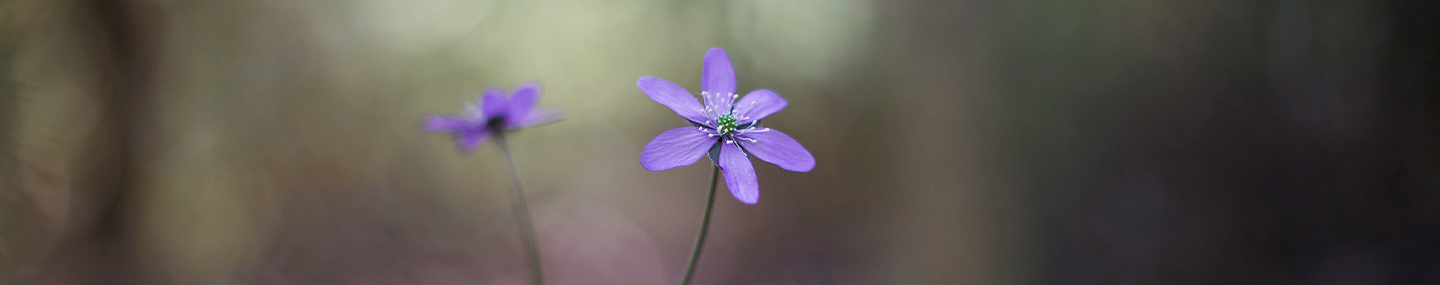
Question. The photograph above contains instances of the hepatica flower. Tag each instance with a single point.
(496, 114)
(726, 127)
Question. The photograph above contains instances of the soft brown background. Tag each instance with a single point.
(958, 142)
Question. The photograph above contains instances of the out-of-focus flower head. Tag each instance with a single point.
(494, 115)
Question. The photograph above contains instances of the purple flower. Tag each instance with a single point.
(726, 129)
(495, 115)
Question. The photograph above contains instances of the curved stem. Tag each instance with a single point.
(704, 227)
(522, 213)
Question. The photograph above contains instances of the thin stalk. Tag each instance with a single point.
(522, 213)
(704, 227)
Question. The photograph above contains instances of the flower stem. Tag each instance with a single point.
(522, 213)
(704, 227)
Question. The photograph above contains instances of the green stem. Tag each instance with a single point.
(522, 213)
(704, 227)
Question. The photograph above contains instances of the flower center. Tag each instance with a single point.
(495, 124)
(725, 124)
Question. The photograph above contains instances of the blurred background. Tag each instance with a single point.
(958, 142)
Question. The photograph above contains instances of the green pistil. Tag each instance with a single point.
(725, 124)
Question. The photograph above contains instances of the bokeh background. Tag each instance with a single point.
(958, 142)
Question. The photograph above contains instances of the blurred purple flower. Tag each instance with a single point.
(727, 130)
(496, 114)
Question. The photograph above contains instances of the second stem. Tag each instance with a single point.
(522, 213)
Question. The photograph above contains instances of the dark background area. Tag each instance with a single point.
(958, 142)
(1288, 142)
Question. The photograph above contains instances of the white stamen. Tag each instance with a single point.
(717, 105)
(752, 130)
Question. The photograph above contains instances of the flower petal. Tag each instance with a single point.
(536, 116)
(522, 101)
(493, 103)
(775, 147)
(739, 174)
(718, 76)
(469, 141)
(672, 95)
(675, 148)
(759, 104)
(445, 124)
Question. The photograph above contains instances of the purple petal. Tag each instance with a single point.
(775, 147)
(493, 103)
(719, 75)
(673, 96)
(523, 100)
(675, 148)
(739, 174)
(534, 117)
(759, 104)
(468, 142)
(437, 124)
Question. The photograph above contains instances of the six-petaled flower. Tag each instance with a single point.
(726, 126)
